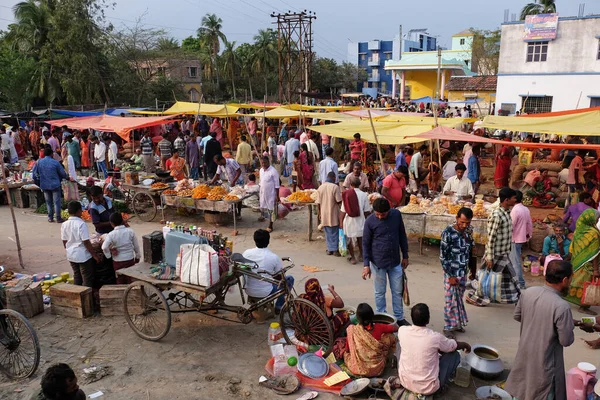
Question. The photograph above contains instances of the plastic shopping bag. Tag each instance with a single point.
(591, 293)
(342, 245)
(490, 285)
(70, 190)
(198, 265)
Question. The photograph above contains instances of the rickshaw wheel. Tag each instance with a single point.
(144, 206)
(309, 324)
(146, 311)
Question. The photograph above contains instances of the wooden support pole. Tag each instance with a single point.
(376, 141)
(12, 211)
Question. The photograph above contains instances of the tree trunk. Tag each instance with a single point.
(250, 86)
(233, 83)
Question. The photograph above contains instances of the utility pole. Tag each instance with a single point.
(294, 53)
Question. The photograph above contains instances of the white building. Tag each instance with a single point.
(551, 74)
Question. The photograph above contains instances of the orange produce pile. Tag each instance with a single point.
(217, 193)
(85, 215)
(231, 197)
(303, 197)
(200, 192)
(170, 192)
(159, 185)
(185, 193)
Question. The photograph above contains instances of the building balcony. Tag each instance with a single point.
(376, 78)
(373, 63)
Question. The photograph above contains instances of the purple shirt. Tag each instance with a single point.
(53, 142)
(522, 225)
(573, 212)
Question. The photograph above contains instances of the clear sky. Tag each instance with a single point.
(338, 21)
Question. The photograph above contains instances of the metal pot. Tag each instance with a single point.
(384, 318)
(485, 362)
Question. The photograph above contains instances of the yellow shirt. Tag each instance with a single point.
(243, 155)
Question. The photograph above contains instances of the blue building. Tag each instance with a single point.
(372, 56)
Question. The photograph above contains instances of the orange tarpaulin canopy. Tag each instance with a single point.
(557, 113)
(106, 123)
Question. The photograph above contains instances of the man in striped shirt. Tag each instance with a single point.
(148, 157)
(165, 148)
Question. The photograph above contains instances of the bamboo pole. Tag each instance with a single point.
(12, 212)
(377, 142)
(264, 136)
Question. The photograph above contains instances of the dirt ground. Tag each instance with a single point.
(207, 358)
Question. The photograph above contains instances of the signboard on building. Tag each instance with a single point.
(541, 27)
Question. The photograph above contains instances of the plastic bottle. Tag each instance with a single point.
(463, 373)
(275, 334)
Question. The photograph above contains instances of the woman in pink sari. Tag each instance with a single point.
(218, 129)
(308, 167)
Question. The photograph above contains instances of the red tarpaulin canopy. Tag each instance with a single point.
(106, 123)
(557, 113)
(445, 133)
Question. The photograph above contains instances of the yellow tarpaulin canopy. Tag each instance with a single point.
(326, 108)
(430, 121)
(186, 107)
(583, 124)
(277, 113)
(387, 132)
(331, 116)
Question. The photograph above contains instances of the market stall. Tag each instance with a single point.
(303, 198)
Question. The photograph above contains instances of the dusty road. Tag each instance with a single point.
(205, 358)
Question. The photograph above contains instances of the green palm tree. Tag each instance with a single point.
(538, 7)
(230, 61)
(29, 34)
(210, 34)
(264, 57)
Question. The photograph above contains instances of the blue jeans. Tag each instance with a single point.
(380, 280)
(102, 167)
(448, 364)
(281, 299)
(517, 262)
(194, 173)
(52, 198)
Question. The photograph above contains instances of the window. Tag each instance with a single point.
(363, 57)
(462, 42)
(192, 72)
(161, 71)
(598, 56)
(383, 87)
(594, 101)
(537, 51)
(388, 56)
(536, 105)
(388, 72)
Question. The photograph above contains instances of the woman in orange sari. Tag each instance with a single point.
(369, 344)
(177, 166)
(314, 294)
(84, 143)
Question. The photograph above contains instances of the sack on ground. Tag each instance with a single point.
(490, 285)
(591, 293)
(198, 265)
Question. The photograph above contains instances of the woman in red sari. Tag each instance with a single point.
(84, 143)
(503, 161)
(308, 167)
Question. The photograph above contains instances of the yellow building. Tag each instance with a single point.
(479, 91)
(415, 74)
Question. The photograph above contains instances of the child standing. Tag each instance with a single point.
(122, 245)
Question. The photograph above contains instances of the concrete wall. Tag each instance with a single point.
(422, 83)
(464, 47)
(566, 90)
(575, 49)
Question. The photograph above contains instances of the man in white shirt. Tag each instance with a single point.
(76, 240)
(113, 150)
(100, 155)
(417, 172)
(268, 262)
(328, 165)
(312, 147)
(122, 245)
(459, 184)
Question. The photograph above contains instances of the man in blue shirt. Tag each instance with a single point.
(383, 239)
(401, 158)
(328, 165)
(47, 174)
(291, 146)
(474, 169)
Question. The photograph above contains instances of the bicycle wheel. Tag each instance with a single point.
(20, 348)
(146, 311)
(144, 206)
(309, 324)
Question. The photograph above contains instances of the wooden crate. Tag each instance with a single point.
(111, 300)
(71, 300)
(28, 302)
(19, 198)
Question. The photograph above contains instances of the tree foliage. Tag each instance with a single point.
(538, 7)
(485, 51)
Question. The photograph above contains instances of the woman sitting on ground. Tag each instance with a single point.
(369, 344)
(314, 294)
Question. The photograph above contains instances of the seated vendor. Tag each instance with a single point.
(315, 295)
(100, 208)
(556, 245)
(177, 166)
(266, 261)
(421, 369)
(137, 157)
(369, 344)
(540, 190)
(459, 185)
